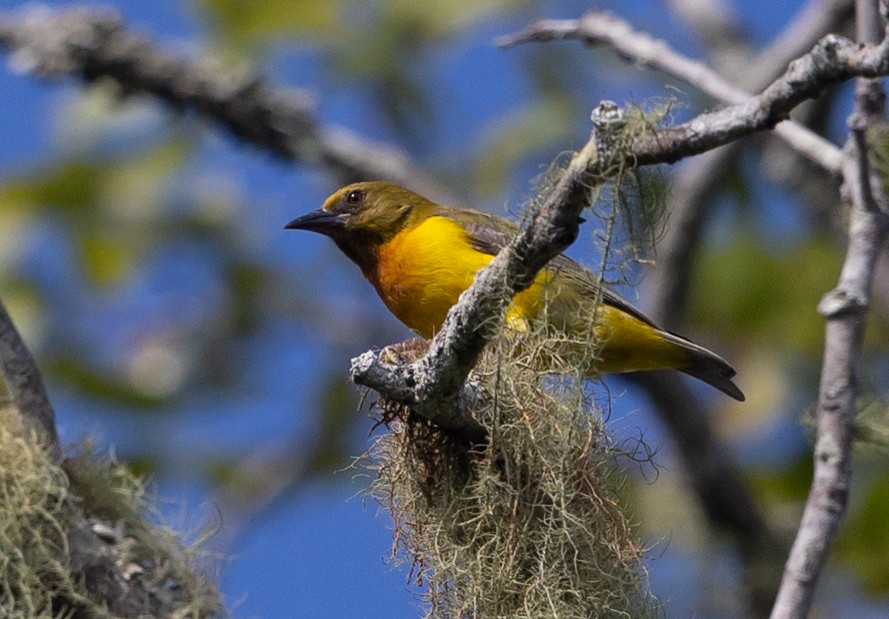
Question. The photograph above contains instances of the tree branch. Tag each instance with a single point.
(25, 385)
(832, 60)
(723, 497)
(814, 20)
(713, 476)
(92, 43)
(434, 385)
(845, 309)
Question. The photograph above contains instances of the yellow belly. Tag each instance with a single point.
(422, 271)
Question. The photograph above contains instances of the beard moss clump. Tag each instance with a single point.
(74, 541)
(528, 525)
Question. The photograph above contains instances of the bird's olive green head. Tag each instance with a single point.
(363, 216)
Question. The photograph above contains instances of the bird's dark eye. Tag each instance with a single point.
(355, 197)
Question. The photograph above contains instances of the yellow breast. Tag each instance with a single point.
(422, 271)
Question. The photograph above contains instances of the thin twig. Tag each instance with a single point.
(833, 60)
(600, 28)
(814, 20)
(845, 309)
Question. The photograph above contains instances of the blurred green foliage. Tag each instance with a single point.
(770, 294)
(863, 542)
(246, 24)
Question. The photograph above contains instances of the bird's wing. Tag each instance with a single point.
(489, 234)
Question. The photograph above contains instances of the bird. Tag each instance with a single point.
(419, 256)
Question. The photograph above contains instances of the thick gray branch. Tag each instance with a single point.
(91, 42)
(25, 385)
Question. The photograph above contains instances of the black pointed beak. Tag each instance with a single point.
(320, 221)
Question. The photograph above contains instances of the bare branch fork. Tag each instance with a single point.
(834, 59)
(721, 493)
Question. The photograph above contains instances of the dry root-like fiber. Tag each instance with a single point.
(528, 525)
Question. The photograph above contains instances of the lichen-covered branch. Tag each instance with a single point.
(845, 308)
(25, 385)
(439, 376)
(92, 43)
(434, 385)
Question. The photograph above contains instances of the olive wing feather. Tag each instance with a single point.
(489, 234)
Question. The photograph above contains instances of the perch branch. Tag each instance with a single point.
(434, 382)
(434, 385)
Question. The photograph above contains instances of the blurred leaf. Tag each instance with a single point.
(863, 542)
(437, 19)
(105, 258)
(13, 240)
(226, 471)
(109, 388)
(386, 44)
(249, 285)
(788, 484)
(73, 185)
(142, 467)
(247, 23)
(136, 186)
(538, 125)
(102, 119)
(770, 295)
(872, 424)
(337, 411)
(764, 295)
(105, 203)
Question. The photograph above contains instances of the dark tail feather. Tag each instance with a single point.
(715, 371)
(708, 367)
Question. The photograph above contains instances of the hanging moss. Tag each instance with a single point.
(530, 524)
(75, 541)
